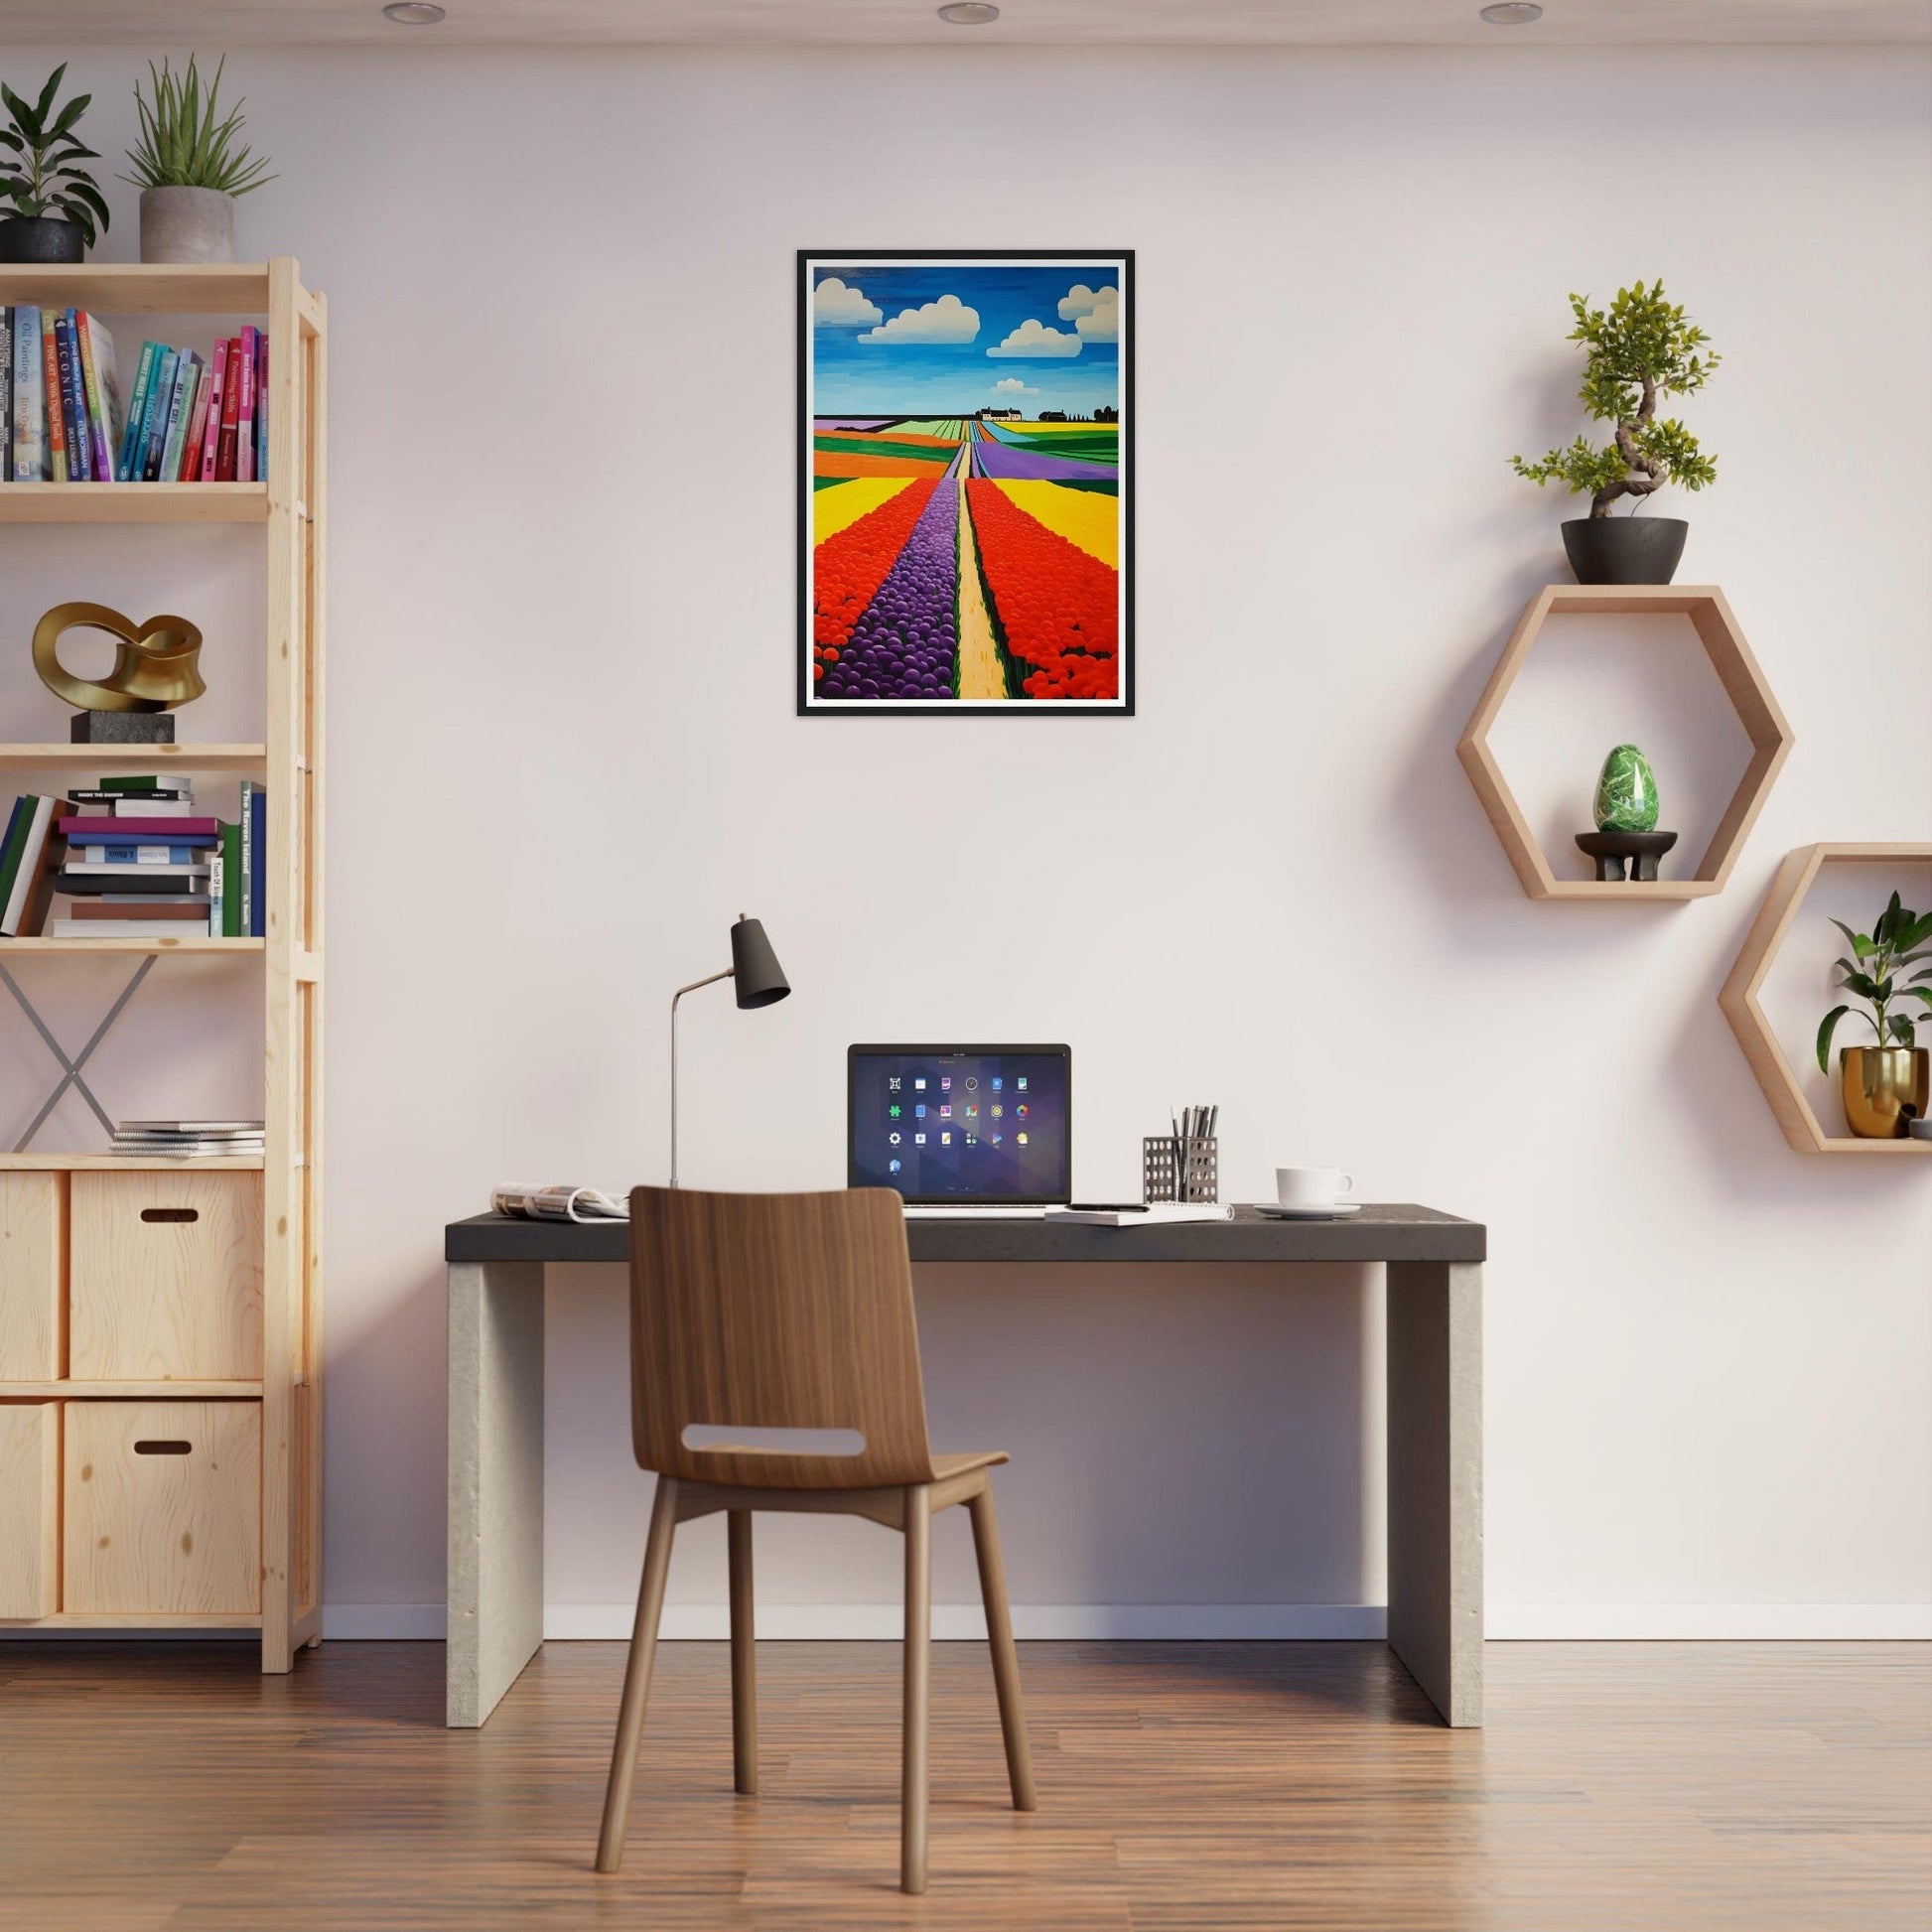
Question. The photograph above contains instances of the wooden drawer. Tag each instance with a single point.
(33, 1263)
(163, 1506)
(165, 1277)
(30, 1511)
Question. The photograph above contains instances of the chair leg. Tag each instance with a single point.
(744, 1670)
(636, 1676)
(1006, 1660)
(918, 1687)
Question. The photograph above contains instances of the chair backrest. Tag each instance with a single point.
(774, 1311)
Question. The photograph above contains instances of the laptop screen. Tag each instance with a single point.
(986, 1125)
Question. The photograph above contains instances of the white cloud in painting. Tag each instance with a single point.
(835, 305)
(1095, 312)
(1034, 339)
(1010, 385)
(946, 320)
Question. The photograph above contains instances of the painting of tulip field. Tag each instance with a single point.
(965, 470)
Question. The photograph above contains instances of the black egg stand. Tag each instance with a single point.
(1611, 851)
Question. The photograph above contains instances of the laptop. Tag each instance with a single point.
(962, 1130)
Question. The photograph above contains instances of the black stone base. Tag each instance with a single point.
(122, 728)
(1612, 849)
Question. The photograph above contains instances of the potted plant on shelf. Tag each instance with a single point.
(1638, 351)
(189, 169)
(1884, 1086)
(51, 205)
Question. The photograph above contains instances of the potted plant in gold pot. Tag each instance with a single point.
(1884, 1085)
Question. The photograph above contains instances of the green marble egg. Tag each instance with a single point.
(1626, 793)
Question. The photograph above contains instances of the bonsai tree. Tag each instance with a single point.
(182, 144)
(1899, 939)
(37, 178)
(1641, 348)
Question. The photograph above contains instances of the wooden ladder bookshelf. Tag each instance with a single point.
(65, 1202)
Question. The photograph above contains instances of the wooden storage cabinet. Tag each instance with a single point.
(162, 1508)
(30, 1509)
(165, 1277)
(33, 1268)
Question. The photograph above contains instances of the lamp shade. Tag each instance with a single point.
(758, 978)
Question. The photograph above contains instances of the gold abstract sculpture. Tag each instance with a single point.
(154, 662)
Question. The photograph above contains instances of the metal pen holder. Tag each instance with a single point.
(1180, 1167)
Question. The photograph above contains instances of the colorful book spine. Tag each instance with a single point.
(74, 401)
(217, 374)
(230, 408)
(179, 411)
(143, 854)
(160, 400)
(56, 419)
(175, 831)
(244, 470)
(33, 882)
(10, 845)
(258, 864)
(6, 395)
(230, 893)
(261, 407)
(191, 447)
(104, 392)
(137, 408)
(247, 883)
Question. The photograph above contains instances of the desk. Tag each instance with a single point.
(1433, 1265)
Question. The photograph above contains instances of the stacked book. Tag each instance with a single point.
(187, 1140)
(137, 862)
(187, 419)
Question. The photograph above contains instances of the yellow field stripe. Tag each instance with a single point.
(844, 503)
(1086, 517)
(1047, 429)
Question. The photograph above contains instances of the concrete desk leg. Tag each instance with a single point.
(495, 1589)
(1434, 1323)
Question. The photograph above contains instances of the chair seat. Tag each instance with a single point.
(944, 1466)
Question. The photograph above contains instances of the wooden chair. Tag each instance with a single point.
(793, 1312)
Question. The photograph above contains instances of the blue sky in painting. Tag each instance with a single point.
(947, 339)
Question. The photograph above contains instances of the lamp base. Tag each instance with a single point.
(121, 728)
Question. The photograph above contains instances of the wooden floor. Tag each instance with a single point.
(1626, 1787)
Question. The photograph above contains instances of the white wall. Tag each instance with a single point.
(564, 758)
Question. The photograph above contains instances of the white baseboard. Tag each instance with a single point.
(1708, 1622)
(1196, 1622)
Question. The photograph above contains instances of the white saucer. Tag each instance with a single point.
(1277, 1213)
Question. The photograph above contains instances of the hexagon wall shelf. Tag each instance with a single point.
(1743, 683)
(1795, 877)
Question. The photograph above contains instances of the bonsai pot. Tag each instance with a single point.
(1623, 549)
(1884, 1089)
(40, 239)
(186, 225)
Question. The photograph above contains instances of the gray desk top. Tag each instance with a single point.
(1382, 1231)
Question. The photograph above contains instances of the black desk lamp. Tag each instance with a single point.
(761, 982)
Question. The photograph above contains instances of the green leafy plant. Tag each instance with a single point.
(1899, 939)
(182, 143)
(1641, 348)
(38, 176)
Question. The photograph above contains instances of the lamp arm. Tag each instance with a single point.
(709, 980)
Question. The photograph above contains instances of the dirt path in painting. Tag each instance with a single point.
(980, 675)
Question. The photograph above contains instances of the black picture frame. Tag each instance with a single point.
(1128, 654)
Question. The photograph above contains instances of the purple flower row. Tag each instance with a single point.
(904, 644)
(996, 460)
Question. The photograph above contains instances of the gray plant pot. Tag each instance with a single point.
(186, 225)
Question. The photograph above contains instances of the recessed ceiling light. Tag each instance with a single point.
(969, 13)
(413, 13)
(1512, 13)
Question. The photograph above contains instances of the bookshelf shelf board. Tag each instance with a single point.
(116, 503)
(136, 1620)
(131, 1391)
(126, 289)
(194, 757)
(201, 943)
(138, 1163)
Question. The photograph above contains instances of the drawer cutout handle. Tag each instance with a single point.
(163, 1446)
(170, 1213)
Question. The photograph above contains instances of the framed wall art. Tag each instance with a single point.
(966, 475)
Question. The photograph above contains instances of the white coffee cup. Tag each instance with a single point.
(1312, 1187)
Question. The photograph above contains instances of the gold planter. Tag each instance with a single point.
(1883, 1088)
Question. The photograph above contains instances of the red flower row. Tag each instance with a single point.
(847, 569)
(1058, 606)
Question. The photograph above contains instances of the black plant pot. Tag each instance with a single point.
(40, 239)
(1624, 549)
